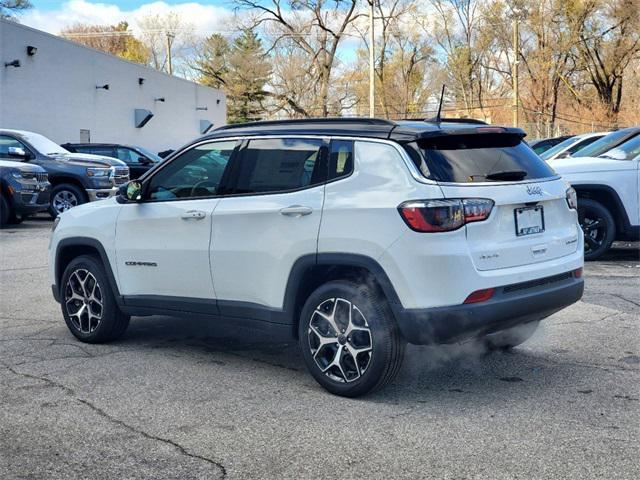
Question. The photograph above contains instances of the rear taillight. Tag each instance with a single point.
(572, 198)
(444, 215)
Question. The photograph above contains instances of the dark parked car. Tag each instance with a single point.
(24, 190)
(544, 144)
(75, 178)
(138, 159)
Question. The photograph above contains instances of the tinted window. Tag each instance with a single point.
(340, 158)
(605, 143)
(471, 158)
(582, 144)
(9, 142)
(194, 174)
(104, 151)
(129, 156)
(627, 151)
(273, 165)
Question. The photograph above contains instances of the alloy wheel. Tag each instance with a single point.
(340, 340)
(594, 229)
(64, 200)
(84, 301)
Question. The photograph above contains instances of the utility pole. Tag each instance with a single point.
(170, 38)
(372, 58)
(516, 56)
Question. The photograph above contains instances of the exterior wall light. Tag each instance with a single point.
(31, 50)
(140, 81)
(102, 87)
(15, 63)
(203, 109)
(159, 99)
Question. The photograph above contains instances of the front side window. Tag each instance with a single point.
(279, 164)
(9, 142)
(103, 151)
(196, 173)
(129, 156)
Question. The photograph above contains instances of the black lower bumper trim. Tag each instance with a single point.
(505, 310)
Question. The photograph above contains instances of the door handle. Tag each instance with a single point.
(193, 214)
(296, 211)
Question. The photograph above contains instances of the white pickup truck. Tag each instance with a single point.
(608, 186)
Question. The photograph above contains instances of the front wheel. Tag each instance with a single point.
(598, 227)
(64, 197)
(88, 304)
(349, 339)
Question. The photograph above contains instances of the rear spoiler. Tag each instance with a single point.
(480, 130)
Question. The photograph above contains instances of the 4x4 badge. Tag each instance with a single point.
(534, 190)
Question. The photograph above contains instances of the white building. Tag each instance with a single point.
(71, 93)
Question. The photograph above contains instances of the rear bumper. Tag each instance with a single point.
(510, 306)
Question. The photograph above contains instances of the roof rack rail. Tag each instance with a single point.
(298, 121)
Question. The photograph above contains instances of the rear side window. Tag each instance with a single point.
(340, 159)
(479, 158)
(280, 164)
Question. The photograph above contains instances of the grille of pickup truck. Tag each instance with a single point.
(120, 175)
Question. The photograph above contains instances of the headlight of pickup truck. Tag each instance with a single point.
(22, 176)
(98, 172)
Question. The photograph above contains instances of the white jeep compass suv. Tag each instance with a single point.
(353, 235)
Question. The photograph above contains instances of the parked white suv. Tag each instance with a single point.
(608, 189)
(353, 235)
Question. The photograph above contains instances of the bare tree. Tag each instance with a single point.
(164, 33)
(316, 27)
(113, 39)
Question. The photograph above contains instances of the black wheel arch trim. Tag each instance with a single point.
(158, 304)
(621, 211)
(84, 242)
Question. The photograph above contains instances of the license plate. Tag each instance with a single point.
(529, 220)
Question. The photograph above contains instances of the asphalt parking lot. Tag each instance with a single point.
(180, 398)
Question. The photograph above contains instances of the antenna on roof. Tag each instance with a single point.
(438, 117)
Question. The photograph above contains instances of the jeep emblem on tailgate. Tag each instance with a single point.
(534, 190)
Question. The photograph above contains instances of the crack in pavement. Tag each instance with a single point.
(121, 423)
(621, 297)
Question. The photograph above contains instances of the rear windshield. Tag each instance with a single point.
(482, 157)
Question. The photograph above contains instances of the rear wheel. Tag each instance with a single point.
(88, 304)
(598, 227)
(349, 339)
(511, 337)
(64, 197)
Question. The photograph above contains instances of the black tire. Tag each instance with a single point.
(5, 211)
(598, 226)
(112, 323)
(511, 337)
(66, 190)
(363, 372)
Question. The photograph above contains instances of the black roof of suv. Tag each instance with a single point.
(401, 131)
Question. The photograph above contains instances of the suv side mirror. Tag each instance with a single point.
(132, 191)
(18, 152)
